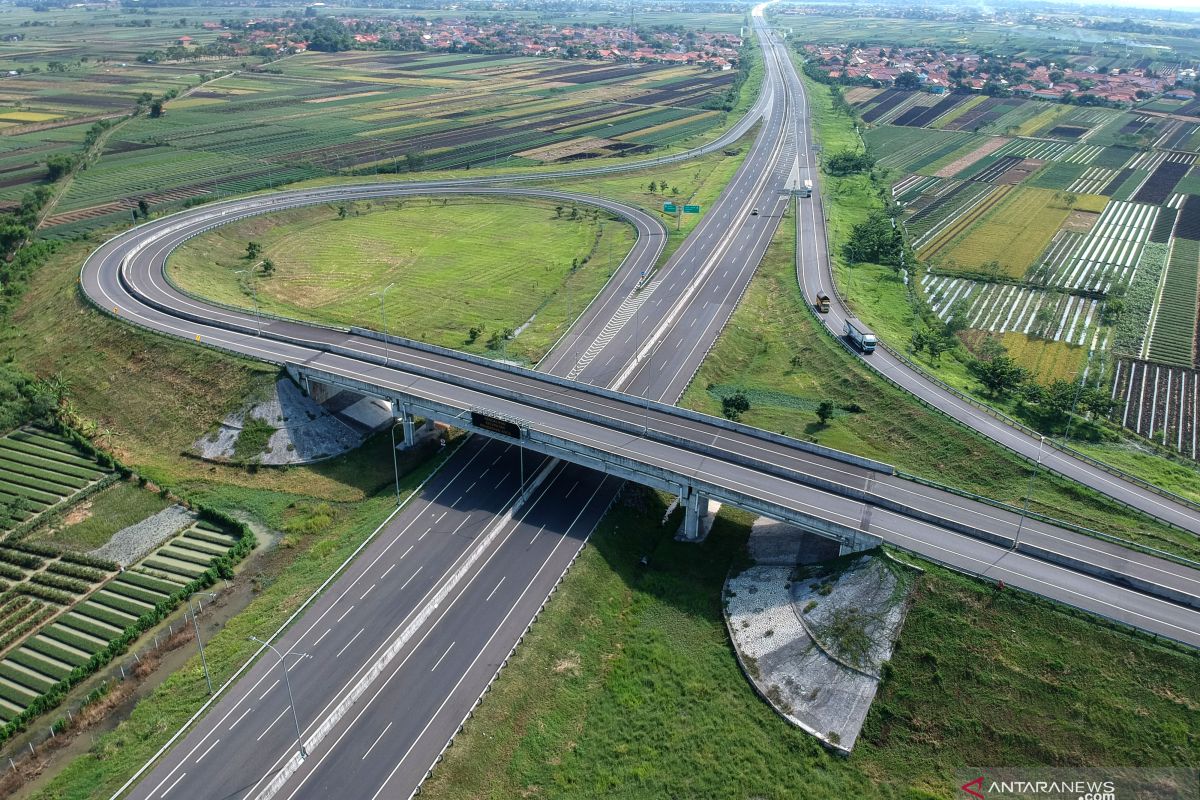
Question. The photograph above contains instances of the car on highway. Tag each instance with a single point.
(754, 213)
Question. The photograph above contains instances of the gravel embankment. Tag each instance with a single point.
(129, 544)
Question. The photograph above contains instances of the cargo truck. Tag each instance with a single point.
(822, 303)
(805, 189)
(859, 335)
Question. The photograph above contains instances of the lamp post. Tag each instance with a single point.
(287, 682)
(254, 294)
(199, 641)
(1028, 492)
(382, 293)
(395, 460)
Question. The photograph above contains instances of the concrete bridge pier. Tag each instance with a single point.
(406, 419)
(696, 523)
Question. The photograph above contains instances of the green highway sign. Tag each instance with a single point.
(691, 209)
(670, 208)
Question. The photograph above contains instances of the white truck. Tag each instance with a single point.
(859, 335)
(805, 189)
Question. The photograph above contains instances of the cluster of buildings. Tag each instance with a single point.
(939, 72)
(715, 50)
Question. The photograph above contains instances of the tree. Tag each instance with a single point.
(144, 209)
(653, 187)
(473, 333)
(734, 405)
(342, 212)
(1058, 400)
(253, 249)
(825, 412)
(156, 108)
(875, 241)
(908, 80)
(58, 166)
(559, 209)
(413, 162)
(1000, 375)
(849, 162)
(268, 267)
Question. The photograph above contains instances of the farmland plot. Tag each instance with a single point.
(1106, 257)
(1012, 235)
(1051, 150)
(944, 220)
(40, 586)
(1093, 180)
(71, 606)
(925, 148)
(39, 470)
(325, 114)
(1173, 321)
(1168, 171)
(1010, 308)
(1158, 402)
(914, 186)
(1133, 324)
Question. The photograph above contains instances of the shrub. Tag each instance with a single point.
(88, 574)
(44, 593)
(60, 582)
(85, 560)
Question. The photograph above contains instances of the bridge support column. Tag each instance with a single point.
(695, 513)
(861, 542)
(406, 418)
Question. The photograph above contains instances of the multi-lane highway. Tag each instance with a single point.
(400, 646)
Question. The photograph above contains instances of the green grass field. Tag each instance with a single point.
(92, 523)
(455, 265)
(627, 687)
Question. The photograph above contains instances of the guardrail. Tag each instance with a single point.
(1166, 555)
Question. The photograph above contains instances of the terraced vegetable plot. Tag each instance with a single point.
(1010, 308)
(1158, 402)
(39, 585)
(1174, 318)
(39, 470)
(79, 605)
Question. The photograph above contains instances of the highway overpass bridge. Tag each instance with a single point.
(856, 501)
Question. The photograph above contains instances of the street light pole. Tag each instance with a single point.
(395, 461)
(383, 322)
(287, 682)
(1028, 492)
(199, 641)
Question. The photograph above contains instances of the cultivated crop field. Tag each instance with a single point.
(38, 471)
(321, 114)
(1011, 236)
(65, 607)
(1158, 402)
(1070, 233)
